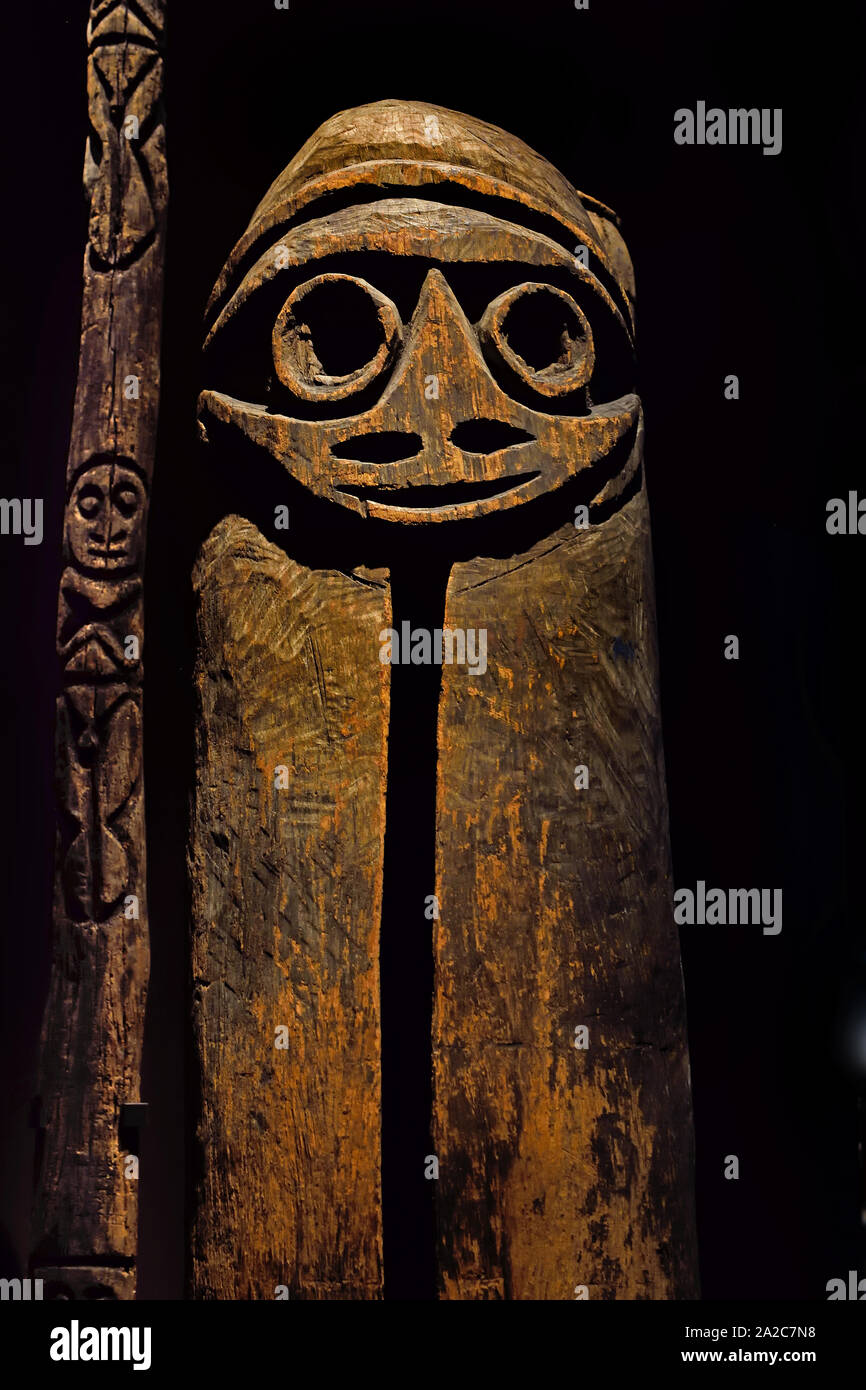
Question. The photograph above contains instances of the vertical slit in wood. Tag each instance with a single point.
(406, 956)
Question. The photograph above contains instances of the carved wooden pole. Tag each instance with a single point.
(86, 1207)
(423, 342)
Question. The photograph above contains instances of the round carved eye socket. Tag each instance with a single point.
(333, 336)
(90, 500)
(542, 335)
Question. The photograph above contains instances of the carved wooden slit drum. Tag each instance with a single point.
(428, 336)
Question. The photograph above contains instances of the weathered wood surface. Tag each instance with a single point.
(559, 1168)
(391, 148)
(287, 893)
(85, 1209)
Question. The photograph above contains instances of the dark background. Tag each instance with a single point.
(746, 264)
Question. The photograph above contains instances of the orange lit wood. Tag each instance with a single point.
(448, 450)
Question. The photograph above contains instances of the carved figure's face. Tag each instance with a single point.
(420, 362)
(105, 521)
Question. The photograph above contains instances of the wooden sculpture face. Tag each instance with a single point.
(416, 362)
(105, 519)
(405, 328)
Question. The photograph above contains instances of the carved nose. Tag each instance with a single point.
(440, 350)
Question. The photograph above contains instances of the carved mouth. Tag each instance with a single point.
(428, 496)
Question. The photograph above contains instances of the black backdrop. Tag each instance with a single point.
(746, 264)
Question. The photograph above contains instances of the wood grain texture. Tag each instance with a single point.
(287, 891)
(559, 1167)
(492, 395)
(391, 148)
(410, 227)
(85, 1206)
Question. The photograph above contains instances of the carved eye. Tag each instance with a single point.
(125, 499)
(333, 336)
(542, 335)
(90, 501)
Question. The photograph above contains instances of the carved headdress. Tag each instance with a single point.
(389, 148)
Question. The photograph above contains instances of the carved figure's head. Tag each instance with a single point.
(425, 322)
(105, 518)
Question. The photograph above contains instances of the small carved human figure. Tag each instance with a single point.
(85, 1212)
